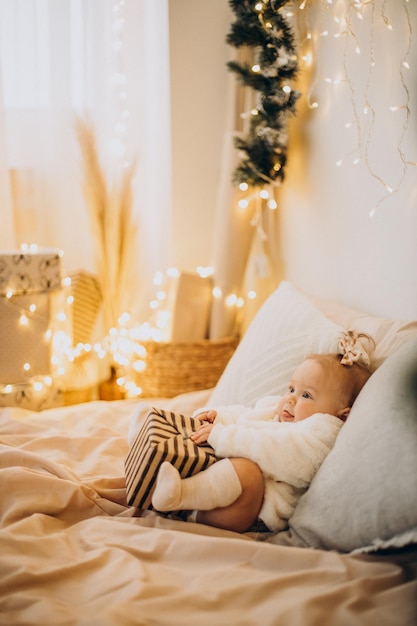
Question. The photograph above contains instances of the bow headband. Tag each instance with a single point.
(352, 350)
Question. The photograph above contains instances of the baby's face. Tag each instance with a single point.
(311, 390)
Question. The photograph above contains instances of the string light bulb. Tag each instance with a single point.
(23, 320)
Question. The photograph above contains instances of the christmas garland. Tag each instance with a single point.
(261, 25)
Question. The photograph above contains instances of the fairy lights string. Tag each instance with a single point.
(318, 22)
(357, 23)
(404, 66)
(125, 342)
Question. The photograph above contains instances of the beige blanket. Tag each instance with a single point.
(73, 553)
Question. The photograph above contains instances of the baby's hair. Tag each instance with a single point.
(351, 377)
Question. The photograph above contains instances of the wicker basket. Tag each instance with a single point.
(174, 368)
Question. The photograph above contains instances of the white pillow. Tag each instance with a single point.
(388, 334)
(284, 331)
(363, 497)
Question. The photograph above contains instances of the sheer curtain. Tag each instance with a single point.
(107, 59)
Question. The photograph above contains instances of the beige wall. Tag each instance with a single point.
(199, 76)
(331, 245)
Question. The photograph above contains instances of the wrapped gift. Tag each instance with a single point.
(85, 307)
(83, 374)
(25, 349)
(189, 301)
(164, 436)
(34, 333)
(35, 328)
(30, 270)
(36, 395)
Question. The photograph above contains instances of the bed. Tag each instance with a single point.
(73, 552)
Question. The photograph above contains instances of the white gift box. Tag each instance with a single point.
(34, 395)
(30, 270)
(35, 328)
(34, 331)
(189, 302)
(25, 347)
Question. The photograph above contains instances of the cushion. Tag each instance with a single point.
(286, 328)
(388, 334)
(364, 495)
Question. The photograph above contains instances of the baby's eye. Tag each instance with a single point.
(291, 389)
(307, 395)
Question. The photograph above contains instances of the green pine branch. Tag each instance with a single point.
(266, 30)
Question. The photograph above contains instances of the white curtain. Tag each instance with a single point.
(105, 58)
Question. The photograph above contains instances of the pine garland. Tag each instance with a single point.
(261, 25)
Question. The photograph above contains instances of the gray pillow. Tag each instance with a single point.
(364, 496)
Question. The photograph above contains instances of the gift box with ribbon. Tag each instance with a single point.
(164, 436)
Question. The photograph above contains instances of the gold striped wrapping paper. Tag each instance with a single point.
(86, 306)
(164, 436)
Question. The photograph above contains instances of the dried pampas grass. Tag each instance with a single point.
(114, 226)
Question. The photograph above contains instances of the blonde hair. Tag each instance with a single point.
(350, 377)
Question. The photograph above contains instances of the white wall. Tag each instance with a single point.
(331, 245)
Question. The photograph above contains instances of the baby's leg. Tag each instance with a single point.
(229, 494)
(217, 486)
(241, 514)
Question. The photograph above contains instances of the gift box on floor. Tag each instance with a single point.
(30, 270)
(36, 395)
(85, 307)
(25, 345)
(164, 436)
(188, 301)
(35, 328)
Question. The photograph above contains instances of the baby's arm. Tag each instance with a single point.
(290, 453)
(202, 434)
(264, 410)
(228, 414)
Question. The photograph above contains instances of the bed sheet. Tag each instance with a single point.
(72, 551)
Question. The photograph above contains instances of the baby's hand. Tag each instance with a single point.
(202, 434)
(207, 416)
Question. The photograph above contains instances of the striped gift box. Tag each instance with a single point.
(164, 436)
(86, 306)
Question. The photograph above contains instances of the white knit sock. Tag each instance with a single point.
(217, 486)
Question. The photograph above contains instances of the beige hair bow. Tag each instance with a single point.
(352, 350)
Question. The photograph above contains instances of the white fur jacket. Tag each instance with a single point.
(289, 454)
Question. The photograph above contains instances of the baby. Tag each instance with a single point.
(270, 453)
